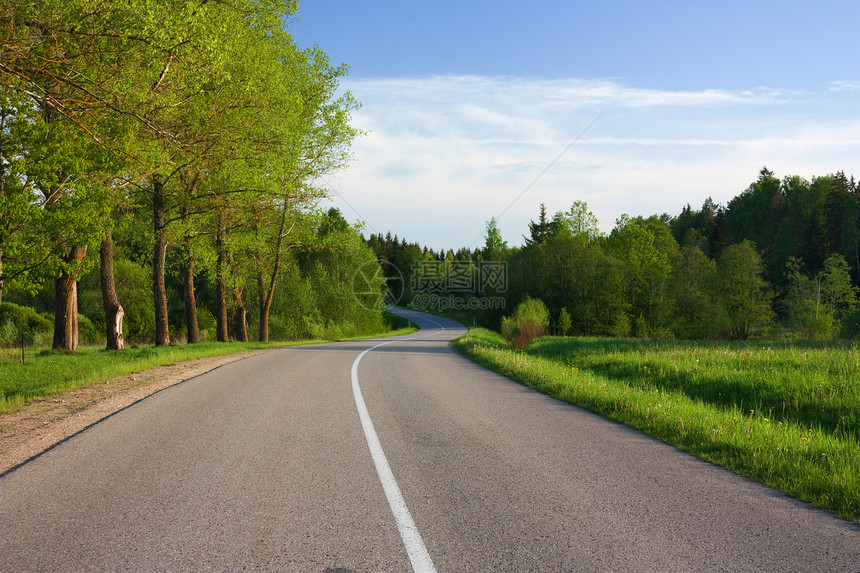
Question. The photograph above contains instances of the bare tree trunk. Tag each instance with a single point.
(66, 303)
(113, 309)
(159, 290)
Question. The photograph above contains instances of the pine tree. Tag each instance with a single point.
(539, 231)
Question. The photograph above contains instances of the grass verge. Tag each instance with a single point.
(787, 416)
(46, 372)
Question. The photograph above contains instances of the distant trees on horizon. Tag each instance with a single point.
(783, 254)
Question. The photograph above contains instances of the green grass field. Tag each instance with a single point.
(786, 415)
(45, 372)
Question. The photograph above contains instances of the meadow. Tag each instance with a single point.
(784, 414)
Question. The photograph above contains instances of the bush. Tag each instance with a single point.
(206, 324)
(278, 329)
(529, 321)
(564, 322)
(87, 331)
(15, 321)
(621, 325)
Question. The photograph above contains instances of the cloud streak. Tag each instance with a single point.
(443, 154)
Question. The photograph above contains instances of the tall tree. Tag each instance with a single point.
(647, 248)
(698, 313)
(495, 247)
(539, 231)
(743, 290)
(578, 221)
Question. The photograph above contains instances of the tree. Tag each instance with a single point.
(839, 295)
(24, 245)
(114, 312)
(578, 221)
(744, 293)
(647, 249)
(755, 213)
(834, 214)
(564, 322)
(697, 310)
(495, 248)
(539, 232)
(803, 303)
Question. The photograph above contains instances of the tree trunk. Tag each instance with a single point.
(221, 305)
(267, 295)
(190, 298)
(159, 291)
(66, 303)
(265, 305)
(221, 284)
(241, 315)
(113, 309)
(241, 324)
(191, 324)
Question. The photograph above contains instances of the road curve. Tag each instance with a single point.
(266, 464)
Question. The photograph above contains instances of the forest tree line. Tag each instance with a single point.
(780, 259)
(167, 156)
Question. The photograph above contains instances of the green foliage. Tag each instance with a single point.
(816, 305)
(529, 321)
(578, 221)
(495, 248)
(17, 321)
(87, 331)
(743, 291)
(134, 288)
(395, 321)
(698, 310)
(564, 322)
(851, 326)
(648, 251)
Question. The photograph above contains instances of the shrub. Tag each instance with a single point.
(16, 321)
(87, 331)
(564, 322)
(529, 321)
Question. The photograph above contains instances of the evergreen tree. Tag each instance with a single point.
(539, 232)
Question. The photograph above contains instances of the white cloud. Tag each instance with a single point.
(445, 154)
(851, 86)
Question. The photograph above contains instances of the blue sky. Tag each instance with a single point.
(467, 103)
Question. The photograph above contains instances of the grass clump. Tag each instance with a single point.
(785, 415)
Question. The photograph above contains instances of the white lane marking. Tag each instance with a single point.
(418, 555)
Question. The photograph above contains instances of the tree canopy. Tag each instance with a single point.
(202, 120)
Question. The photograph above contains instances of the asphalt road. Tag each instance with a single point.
(268, 464)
